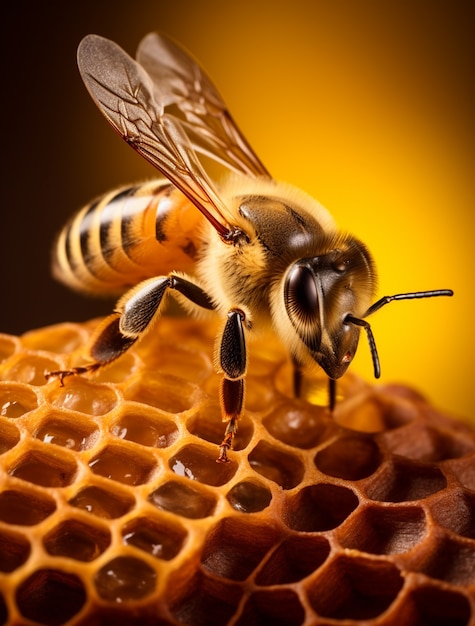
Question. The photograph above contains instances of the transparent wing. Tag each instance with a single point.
(184, 87)
(128, 98)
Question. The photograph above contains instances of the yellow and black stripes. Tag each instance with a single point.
(126, 236)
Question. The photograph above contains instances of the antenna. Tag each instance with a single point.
(378, 305)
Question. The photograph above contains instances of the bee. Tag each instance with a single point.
(258, 252)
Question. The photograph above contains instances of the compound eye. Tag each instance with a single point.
(301, 296)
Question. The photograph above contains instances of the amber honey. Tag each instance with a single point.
(114, 510)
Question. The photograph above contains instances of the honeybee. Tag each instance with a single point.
(260, 253)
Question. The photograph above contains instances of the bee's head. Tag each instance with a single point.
(320, 295)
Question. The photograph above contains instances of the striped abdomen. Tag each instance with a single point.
(126, 236)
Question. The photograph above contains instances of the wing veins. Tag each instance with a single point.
(136, 114)
(183, 82)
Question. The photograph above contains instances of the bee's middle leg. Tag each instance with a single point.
(233, 362)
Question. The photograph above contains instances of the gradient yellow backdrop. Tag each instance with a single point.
(366, 105)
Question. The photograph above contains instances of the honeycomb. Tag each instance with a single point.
(113, 509)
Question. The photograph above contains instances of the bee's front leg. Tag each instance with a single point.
(233, 362)
(297, 380)
(297, 377)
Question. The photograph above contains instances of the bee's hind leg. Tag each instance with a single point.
(107, 345)
(134, 315)
(62, 374)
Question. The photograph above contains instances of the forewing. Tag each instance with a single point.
(126, 95)
(184, 87)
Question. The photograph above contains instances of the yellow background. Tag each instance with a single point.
(366, 105)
